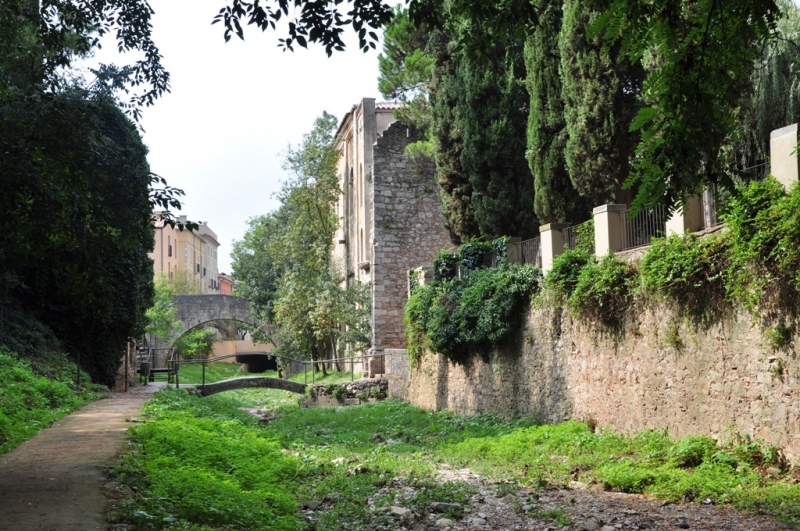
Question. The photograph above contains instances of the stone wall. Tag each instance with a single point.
(659, 374)
(409, 230)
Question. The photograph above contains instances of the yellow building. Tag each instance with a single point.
(184, 255)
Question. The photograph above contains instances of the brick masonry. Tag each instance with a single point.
(718, 378)
(409, 230)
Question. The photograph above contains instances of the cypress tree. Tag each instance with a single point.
(495, 111)
(556, 200)
(455, 190)
(480, 114)
(600, 92)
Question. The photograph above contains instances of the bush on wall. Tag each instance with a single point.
(473, 313)
(604, 290)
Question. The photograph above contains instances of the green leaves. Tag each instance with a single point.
(473, 314)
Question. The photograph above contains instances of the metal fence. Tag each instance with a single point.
(531, 251)
(571, 236)
(759, 172)
(649, 223)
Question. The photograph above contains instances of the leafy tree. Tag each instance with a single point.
(700, 57)
(405, 72)
(775, 98)
(75, 227)
(555, 198)
(600, 90)
(195, 344)
(285, 262)
(161, 316)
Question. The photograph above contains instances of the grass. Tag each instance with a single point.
(192, 373)
(343, 456)
(36, 393)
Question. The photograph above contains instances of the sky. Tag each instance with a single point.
(234, 108)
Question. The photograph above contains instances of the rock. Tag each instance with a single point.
(115, 486)
(773, 472)
(339, 461)
(608, 528)
(577, 485)
(441, 507)
(441, 523)
(590, 525)
(312, 505)
(478, 521)
(399, 511)
(530, 507)
(708, 501)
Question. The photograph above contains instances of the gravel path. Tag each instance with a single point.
(53, 481)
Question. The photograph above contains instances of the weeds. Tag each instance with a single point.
(341, 457)
(33, 396)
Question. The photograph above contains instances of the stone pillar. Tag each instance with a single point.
(608, 228)
(688, 217)
(552, 243)
(423, 274)
(783, 165)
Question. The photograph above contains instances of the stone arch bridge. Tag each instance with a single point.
(195, 310)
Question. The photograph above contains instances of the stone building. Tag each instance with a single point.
(390, 215)
(188, 254)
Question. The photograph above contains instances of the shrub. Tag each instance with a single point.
(566, 269)
(604, 291)
(445, 265)
(472, 314)
(764, 223)
(688, 271)
(471, 255)
(196, 344)
(415, 318)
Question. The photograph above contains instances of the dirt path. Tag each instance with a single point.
(53, 481)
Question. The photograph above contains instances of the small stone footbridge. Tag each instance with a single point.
(250, 382)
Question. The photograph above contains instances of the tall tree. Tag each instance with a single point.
(775, 99)
(600, 90)
(480, 109)
(556, 199)
(285, 262)
(455, 188)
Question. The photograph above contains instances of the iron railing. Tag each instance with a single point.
(571, 235)
(531, 251)
(649, 223)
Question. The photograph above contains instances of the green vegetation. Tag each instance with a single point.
(471, 314)
(285, 264)
(604, 291)
(600, 90)
(192, 373)
(36, 392)
(754, 264)
(555, 198)
(196, 344)
(195, 460)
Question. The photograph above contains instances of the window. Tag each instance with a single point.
(204, 271)
(197, 268)
(169, 250)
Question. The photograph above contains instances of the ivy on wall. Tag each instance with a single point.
(469, 308)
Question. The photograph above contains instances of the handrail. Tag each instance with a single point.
(352, 359)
